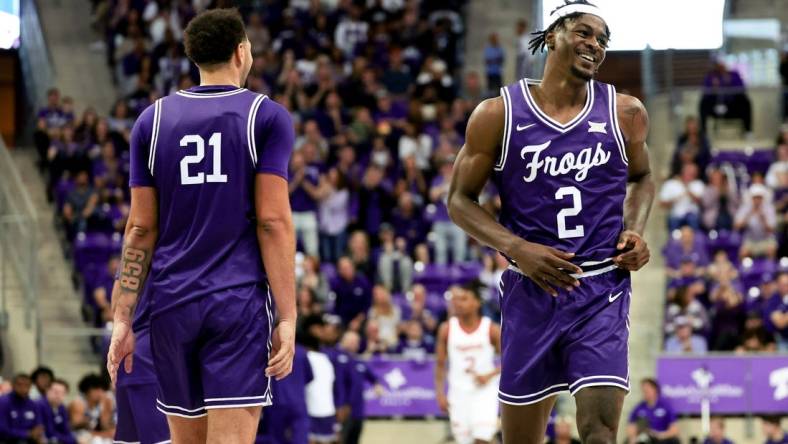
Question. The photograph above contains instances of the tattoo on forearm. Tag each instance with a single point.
(134, 264)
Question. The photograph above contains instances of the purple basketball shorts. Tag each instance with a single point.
(565, 343)
(212, 352)
(138, 419)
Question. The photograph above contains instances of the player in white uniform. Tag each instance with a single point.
(470, 343)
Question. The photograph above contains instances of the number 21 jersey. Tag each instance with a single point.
(201, 149)
(563, 185)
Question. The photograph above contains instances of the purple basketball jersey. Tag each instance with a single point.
(201, 149)
(563, 185)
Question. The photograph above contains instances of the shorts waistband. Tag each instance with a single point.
(590, 268)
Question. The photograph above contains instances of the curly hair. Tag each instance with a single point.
(539, 41)
(212, 36)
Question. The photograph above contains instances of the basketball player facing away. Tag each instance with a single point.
(469, 342)
(209, 193)
(135, 392)
(569, 158)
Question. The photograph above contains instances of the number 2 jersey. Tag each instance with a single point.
(563, 185)
(201, 149)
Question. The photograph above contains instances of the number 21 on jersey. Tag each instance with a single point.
(577, 207)
(196, 140)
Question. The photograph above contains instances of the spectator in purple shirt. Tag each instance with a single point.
(20, 418)
(304, 180)
(414, 345)
(777, 310)
(717, 432)
(725, 97)
(47, 118)
(653, 419)
(353, 294)
(688, 245)
(358, 374)
(407, 221)
(446, 232)
(54, 414)
(375, 201)
(773, 430)
(289, 421)
(51, 116)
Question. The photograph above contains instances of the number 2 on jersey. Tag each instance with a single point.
(577, 206)
(216, 144)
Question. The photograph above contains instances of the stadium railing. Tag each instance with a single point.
(18, 244)
(35, 60)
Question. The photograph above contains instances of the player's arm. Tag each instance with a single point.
(276, 236)
(634, 123)
(275, 232)
(495, 340)
(441, 358)
(472, 169)
(138, 242)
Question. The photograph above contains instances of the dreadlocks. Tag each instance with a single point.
(539, 41)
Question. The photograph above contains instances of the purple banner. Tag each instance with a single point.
(732, 384)
(409, 389)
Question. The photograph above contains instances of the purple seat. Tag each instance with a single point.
(328, 270)
(754, 272)
(91, 248)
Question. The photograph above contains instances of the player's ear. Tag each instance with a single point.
(240, 53)
(549, 39)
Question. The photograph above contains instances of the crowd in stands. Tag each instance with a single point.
(33, 410)
(726, 260)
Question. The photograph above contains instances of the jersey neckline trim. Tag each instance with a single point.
(549, 121)
(212, 94)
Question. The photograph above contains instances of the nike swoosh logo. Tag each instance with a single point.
(523, 128)
(613, 297)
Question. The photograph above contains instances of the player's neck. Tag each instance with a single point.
(469, 323)
(219, 77)
(562, 87)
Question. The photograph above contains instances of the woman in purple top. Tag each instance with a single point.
(653, 418)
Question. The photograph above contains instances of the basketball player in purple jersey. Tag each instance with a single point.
(138, 419)
(569, 158)
(210, 232)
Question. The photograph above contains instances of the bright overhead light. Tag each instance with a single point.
(661, 24)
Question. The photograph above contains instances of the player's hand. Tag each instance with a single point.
(547, 267)
(443, 402)
(482, 380)
(121, 346)
(343, 413)
(635, 251)
(37, 434)
(379, 390)
(283, 343)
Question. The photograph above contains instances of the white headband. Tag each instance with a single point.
(564, 11)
